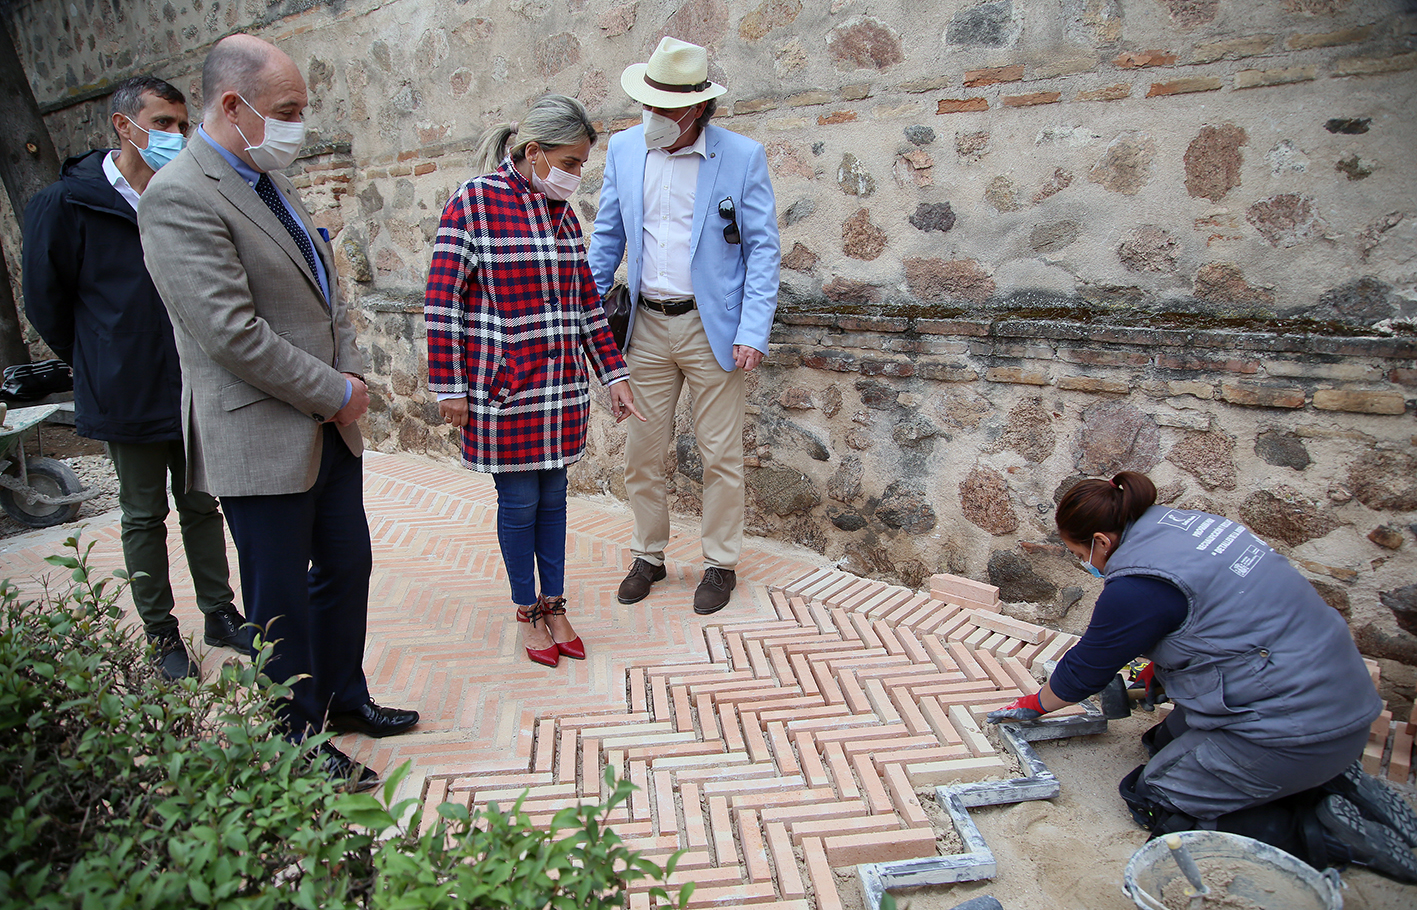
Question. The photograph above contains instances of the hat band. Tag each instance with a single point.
(670, 87)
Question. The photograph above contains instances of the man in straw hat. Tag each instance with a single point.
(692, 206)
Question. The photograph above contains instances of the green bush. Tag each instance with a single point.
(120, 790)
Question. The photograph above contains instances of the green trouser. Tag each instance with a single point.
(143, 471)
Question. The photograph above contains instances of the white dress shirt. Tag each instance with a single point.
(120, 183)
(670, 181)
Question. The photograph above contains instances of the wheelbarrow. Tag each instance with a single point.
(39, 491)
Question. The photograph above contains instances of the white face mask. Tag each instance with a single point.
(557, 184)
(281, 144)
(660, 131)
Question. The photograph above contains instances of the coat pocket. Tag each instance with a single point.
(1201, 690)
(236, 395)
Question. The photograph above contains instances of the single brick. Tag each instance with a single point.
(784, 861)
(907, 804)
(1256, 396)
(1259, 78)
(1374, 66)
(1106, 93)
(1185, 86)
(819, 872)
(721, 829)
(814, 771)
(885, 846)
(973, 738)
(1139, 59)
(1360, 402)
(961, 105)
(993, 75)
(1091, 384)
(1031, 99)
(836, 117)
(840, 770)
(809, 98)
(944, 587)
(965, 770)
(639, 800)
(426, 167)
(755, 850)
(1329, 39)
(1009, 626)
(862, 824)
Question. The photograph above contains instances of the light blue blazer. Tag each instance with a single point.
(735, 284)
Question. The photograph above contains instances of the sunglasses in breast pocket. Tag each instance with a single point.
(730, 215)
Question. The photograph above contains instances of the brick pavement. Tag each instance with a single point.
(788, 736)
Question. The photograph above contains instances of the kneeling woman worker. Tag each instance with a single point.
(1272, 701)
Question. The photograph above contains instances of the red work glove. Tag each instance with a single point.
(1026, 708)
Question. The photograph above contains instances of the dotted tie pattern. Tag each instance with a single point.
(271, 197)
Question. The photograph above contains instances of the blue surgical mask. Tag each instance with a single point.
(162, 146)
(1087, 564)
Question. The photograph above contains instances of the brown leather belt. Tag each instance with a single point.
(676, 307)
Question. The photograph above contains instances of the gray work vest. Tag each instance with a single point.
(1260, 654)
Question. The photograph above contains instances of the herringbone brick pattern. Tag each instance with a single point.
(793, 745)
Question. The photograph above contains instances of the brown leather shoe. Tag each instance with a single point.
(635, 587)
(714, 589)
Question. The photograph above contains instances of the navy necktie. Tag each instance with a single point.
(271, 197)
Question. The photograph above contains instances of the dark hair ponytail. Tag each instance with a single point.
(1104, 505)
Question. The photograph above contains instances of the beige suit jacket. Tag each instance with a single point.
(262, 354)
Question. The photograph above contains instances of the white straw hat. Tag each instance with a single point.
(676, 76)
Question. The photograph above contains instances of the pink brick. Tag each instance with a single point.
(1055, 649)
(916, 756)
(880, 847)
(639, 800)
(840, 770)
(740, 893)
(1400, 764)
(737, 654)
(659, 697)
(801, 713)
(721, 826)
(732, 733)
(903, 797)
(781, 745)
(802, 672)
(836, 827)
(566, 757)
(1015, 628)
(789, 879)
(753, 737)
(904, 609)
(937, 715)
(946, 587)
(975, 640)
(872, 786)
(782, 666)
(666, 818)
(755, 850)
(708, 718)
(851, 690)
(960, 619)
(965, 661)
(887, 637)
(590, 767)
(758, 659)
(973, 737)
(881, 701)
(862, 734)
(882, 603)
(694, 831)
(545, 745)
(1019, 674)
(864, 631)
(910, 711)
(832, 808)
(638, 701)
(904, 741)
(683, 716)
(819, 871)
(768, 801)
(966, 770)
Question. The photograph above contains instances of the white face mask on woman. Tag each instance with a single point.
(660, 131)
(281, 144)
(557, 184)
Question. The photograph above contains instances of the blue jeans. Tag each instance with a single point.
(531, 528)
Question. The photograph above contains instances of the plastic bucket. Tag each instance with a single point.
(1231, 865)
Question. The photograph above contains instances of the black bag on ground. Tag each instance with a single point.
(616, 303)
(33, 381)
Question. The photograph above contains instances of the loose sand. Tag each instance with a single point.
(1069, 853)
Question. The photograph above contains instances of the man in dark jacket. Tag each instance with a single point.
(88, 294)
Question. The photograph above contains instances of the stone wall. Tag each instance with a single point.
(1024, 242)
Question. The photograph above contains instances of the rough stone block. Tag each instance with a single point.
(1256, 396)
(1017, 375)
(1107, 93)
(961, 105)
(993, 75)
(754, 105)
(1360, 402)
(1031, 99)
(1259, 78)
(1185, 86)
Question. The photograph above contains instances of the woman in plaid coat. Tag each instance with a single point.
(512, 315)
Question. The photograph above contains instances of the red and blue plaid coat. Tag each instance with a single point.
(512, 313)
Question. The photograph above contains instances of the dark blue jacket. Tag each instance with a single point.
(89, 296)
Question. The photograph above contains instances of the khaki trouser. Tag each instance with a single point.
(667, 353)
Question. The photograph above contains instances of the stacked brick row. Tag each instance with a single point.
(1389, 752)
(797, 746)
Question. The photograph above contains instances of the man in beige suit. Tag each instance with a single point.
(271, 386)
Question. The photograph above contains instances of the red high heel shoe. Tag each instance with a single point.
(556, 606)
(546, 656)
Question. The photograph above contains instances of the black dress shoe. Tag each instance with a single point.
(345, 771)
(226, 628)
(170, 656)
(714, 590)
(373, 720)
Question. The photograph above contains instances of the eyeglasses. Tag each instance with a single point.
(730, 230)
